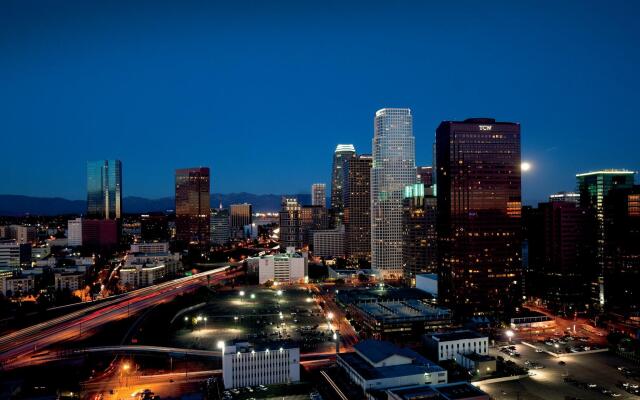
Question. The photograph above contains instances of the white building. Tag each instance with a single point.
(150, 248)
(243, 365)
(74, 232)
(17, 285)
(379, 365)
(290, 267)
(393, 168)
(329, 243)
(148, 263)
(447, 345)
(9, 253)
(72, 281)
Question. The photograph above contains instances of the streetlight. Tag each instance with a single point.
(241, 295)
(509, 334)
(279, 292)
(220, 344)
(253, 296)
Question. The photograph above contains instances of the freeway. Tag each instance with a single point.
(15, 346)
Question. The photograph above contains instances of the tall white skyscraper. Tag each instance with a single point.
(319, 194)
(393, 168)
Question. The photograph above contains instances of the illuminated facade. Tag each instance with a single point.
(418, 231)
(479, 213)
(241, 215)
(104, 189)
(319, 194)
(342, 153)
(291, 234)
(593, 188)
(357, 206)
(192, 205)
(392, 169)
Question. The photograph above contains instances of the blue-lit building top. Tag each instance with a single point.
(104, 189)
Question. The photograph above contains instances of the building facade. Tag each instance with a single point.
(447, 345)
(220, 228)
(192, 205)
(424, 175)
(393, 168)
(312, 219)
(74, 232)
(419, 238)
(479, 215)
(357, 207)
(319, 194)
(104, 189)
(594, 187)
(288, 268)
(240, 216)
(342, 153)
(329, 243)
(291, 234)
(244, 365)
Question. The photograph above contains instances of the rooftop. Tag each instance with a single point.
(463, 390)
(611, 171)
(407, 309)
(456, 335)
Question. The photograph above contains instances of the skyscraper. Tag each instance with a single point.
(104, 189)
(357, 206)
(425, 175)
(220, 231)
(290, 224)
(479, 211)
(419, 231)
(312, 218)
(192, 204)
(318, 194)
(342, 153)
(241, 215)
(593, 188)
(393, 168)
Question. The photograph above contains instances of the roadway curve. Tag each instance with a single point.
(17, 345)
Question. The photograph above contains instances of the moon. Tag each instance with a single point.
(525, 166)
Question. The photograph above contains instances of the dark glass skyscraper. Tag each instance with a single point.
(192, 205)
(104, 189)
(291, 234)
(479, 211)
(342, 153)
(357, 206)
(419, 238)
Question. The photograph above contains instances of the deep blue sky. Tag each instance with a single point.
(262, 92)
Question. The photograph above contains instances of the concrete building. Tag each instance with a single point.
(74, 232)
(17, 285)
(447, 345)
(357, 206)
(319, 194)
(378, 365)
(312, 219)
(288, 268)
(329, 243)
(22, 234)
(478, 364)
(72, 281)
(13, 254)
(244, 365)
(392, 170)
(240, 216)
(148, 263)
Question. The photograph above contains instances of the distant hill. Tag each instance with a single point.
(16, 205)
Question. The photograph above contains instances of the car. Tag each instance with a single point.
(539, 350)
(562, 363)
(592, 385)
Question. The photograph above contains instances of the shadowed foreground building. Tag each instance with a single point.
(419, 232)
(192, 205)
(357, 206)
(479, 210)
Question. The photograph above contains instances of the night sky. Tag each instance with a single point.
(262, 92)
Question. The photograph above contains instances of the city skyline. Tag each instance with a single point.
(563, 89)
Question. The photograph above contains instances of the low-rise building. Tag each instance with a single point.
(148, 263)
(17, 285)
(451, 391)
(69, 280)
(477, 364)
(290, 267)
(245, 365)
(378, 365)
(447, 345)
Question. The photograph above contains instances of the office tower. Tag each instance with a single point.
(419, 239)
(13, 254)
(565, 196)
(192, 205)
(329, 242)
(99, 234)
(240, 216)
(74, 232)
(319, 194)
(342, 153)
(21, 233)
(357, 206)
(393, 168)
(560, 256)
(424, 175)
(593, 188)
(290, 224)
(154, 227)
(220, 229)
(312, 218)
(479, 211)
(622, 250)
(104, 189)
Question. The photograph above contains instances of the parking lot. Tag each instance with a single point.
(258, 315)
(581, 376)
